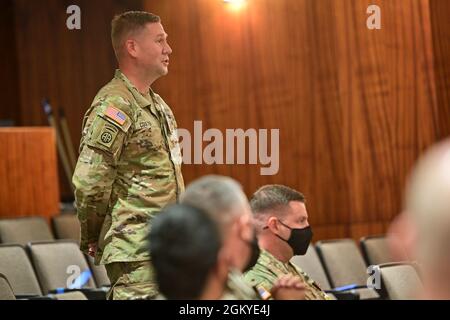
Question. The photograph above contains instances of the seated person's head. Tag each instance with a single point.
(224, 201)
(184, 247)
(282, 221)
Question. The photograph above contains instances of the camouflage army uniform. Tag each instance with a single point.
(129, 168)
(238, 289)
(268, 269)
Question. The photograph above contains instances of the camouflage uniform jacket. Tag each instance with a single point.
(268, 269)
(129, 168)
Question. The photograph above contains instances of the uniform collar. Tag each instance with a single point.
(266, 258)
(141, 100)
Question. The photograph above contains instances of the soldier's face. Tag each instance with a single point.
(295, 218)
(298, 216)
(153, 50)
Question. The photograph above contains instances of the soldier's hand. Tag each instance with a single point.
(92, 249)
(288, 287)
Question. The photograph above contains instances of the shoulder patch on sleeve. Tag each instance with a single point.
(107, 135)
(115, 116)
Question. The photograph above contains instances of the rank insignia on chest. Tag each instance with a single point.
(116, 115)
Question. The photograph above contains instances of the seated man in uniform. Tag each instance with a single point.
(283, 231)
(184, 246)
(224, 201)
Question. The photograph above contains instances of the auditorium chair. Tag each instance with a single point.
(55, 262)
(16, 266)
(66, 226)
(400, 281)
(375, 250)
(23, 230)
(6, 292)
(345, 266)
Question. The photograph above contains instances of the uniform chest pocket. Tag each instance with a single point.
(147, 136)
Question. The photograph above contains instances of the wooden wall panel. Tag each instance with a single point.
(440, 13)
(28, 172)
(66, 66)
(9, 109)
(354, 107)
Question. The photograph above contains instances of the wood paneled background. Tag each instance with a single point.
(355, 107)
(28, 187)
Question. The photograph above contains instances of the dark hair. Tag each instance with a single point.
(184, 244)
(129, 22)
(273, 197)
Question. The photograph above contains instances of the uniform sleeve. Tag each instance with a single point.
(103, 139)
(260, 281)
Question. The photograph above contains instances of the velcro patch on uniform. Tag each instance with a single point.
(107, 135)
(116, 115)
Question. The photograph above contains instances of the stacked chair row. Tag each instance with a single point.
(369, 272)
(35, 264)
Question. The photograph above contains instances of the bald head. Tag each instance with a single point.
(427, 202)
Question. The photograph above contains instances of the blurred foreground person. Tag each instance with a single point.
(224, 201)
(422, 232)
(185, 249)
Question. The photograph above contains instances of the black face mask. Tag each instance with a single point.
(254, 253)
(299, 239)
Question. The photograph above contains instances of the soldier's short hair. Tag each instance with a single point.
(274, 198)
(184, 245)
(220, 197)
(128, 23)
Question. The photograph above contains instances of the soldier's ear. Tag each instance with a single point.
(272, 224)
(131, 47)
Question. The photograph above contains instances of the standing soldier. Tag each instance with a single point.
(129, 166)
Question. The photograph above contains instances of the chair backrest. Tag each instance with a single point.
(99, 272)
(58, 263)
(310, 263)
(343, 262)
(66, 226)
(375, 250)
(400, 281)
(16, 266)
(6, 292)
(24, 230)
